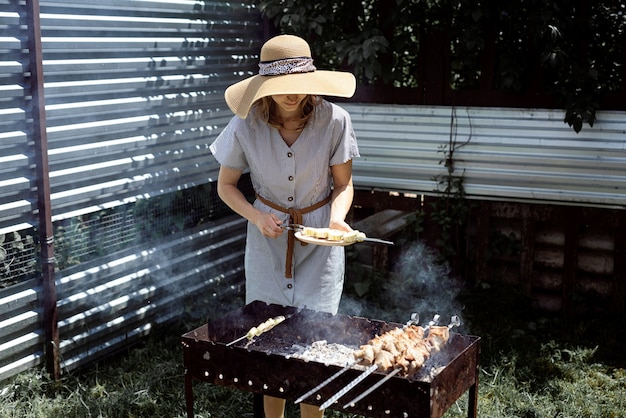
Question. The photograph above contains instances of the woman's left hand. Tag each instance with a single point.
(340, 225)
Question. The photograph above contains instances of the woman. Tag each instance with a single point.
(298, 149)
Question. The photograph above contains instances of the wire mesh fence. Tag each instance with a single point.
(93, 235)
(17, 257)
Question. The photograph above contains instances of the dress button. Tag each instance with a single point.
(290, 178)
(289, 154)
(289, 286)
(290, 198)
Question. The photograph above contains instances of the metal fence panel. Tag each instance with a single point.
(502, 153)
(21, 336)
(106, 304)
(134, 96)
(112, 301)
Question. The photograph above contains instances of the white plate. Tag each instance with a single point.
(320, 241)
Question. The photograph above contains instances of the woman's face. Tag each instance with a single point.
(288, 103)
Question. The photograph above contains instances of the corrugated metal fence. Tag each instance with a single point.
(134, 96)
(503, 154)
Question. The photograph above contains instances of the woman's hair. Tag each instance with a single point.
(265, 110)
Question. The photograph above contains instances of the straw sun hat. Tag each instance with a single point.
(286, 67)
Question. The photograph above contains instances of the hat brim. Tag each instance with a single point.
(240, 96)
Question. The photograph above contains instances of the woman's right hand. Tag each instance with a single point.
(268, 224)
(227, 189)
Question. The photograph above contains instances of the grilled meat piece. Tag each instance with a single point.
(385, 360)
(437, 337)
(365, 354)
(402, 347)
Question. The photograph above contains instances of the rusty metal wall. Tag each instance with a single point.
(567, 259)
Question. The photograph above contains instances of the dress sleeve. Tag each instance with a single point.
(346, 147)
(227, 148)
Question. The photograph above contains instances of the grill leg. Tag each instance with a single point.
(189, 394)
(472, 407)
(257, 405)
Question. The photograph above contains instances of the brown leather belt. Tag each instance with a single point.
(295, 217)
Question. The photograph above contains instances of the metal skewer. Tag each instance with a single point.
(378, 240)
(454, 322)
(325, 382)
(235, 341)
(349, 387)
(434, 321)
(373, 387)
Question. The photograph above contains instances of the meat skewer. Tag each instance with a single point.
(414, 320)
(262, 327)
(454, 322)
(375, 354)
(396, 344)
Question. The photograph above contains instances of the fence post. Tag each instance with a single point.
(46, 234)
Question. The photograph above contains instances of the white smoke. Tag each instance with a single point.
(418, 284)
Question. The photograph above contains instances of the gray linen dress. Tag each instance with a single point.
(292, 177)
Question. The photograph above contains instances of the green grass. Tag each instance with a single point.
(532, 366)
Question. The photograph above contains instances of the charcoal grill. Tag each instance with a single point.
(262, 367)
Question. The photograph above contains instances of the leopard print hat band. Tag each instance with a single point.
(287, 66)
